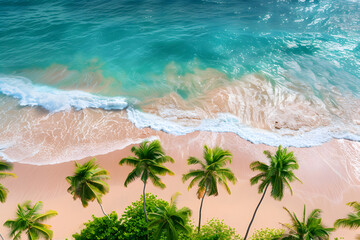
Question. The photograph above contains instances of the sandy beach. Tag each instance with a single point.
(85, 79)
(328, 173)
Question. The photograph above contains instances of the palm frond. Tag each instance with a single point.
(5, 166)
(42, 217)
(3, 193)
(131, 161)
(193, 173)
(28, 221)
(355, 206)
(87, 183)
(194, 160)
(259, 166)
(148, 163)
(156, 180)
(309, 228)
(135, 173)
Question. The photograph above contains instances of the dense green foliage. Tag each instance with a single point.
(88, 183)
(29, 220)
(267, 233)
(216, 229)
(131, 225)
(102, 228)
(135, 226)
(4, 166)
(169, 221)
(211, 173)
(309, 228)
(148, 164)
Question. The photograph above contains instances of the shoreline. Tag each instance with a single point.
(329, 182)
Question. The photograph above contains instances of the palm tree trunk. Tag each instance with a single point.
(144, 203)
(1, 237)
(144, 206)
(102, 209)
(202, 200)
(247, 231)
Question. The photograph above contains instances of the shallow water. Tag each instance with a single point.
(273, 72)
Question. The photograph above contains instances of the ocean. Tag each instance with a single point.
(78, 78)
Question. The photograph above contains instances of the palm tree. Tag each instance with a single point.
(307, 229)
(30, 220)
(169, 220)
(353, 219)
(4, 166)
(148, 163)
(212, 171)
(88, 183)
(278, 175)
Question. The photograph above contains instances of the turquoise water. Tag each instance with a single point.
(132, 40)
(273, 58)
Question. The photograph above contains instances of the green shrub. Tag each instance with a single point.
(133, 218)
(216, 229)
(101, 228)
(268, 234)
(130, 226)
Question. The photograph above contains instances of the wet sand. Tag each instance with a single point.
(328, 173)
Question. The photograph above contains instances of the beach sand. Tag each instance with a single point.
(328, 174)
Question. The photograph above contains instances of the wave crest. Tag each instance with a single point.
(55, 100)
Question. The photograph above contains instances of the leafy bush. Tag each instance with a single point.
(133, 218)
(101, 228)
(130, 226)
(216, 229)
(267, 233)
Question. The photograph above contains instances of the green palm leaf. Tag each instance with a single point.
(29, 221)
(5, 166)
(148, 163)
(277, 175)
(88, 183)
(309, 228)
(211, 172)
(353, 219)
(170, 221)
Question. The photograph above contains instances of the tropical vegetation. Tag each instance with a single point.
(102, 228)
(29, 221)
(215, 229)
(135, 225)
(278, 175)
(151, 218)
(306, 228)
(169, 221)
(352, 220)
(148, 164)
(88, 183)
(212, 172)
(4, 166)
(267, 233)
(131, 224)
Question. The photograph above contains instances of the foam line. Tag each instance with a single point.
(55, 100)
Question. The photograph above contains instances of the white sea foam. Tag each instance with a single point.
(230, 123)
(55, 100)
